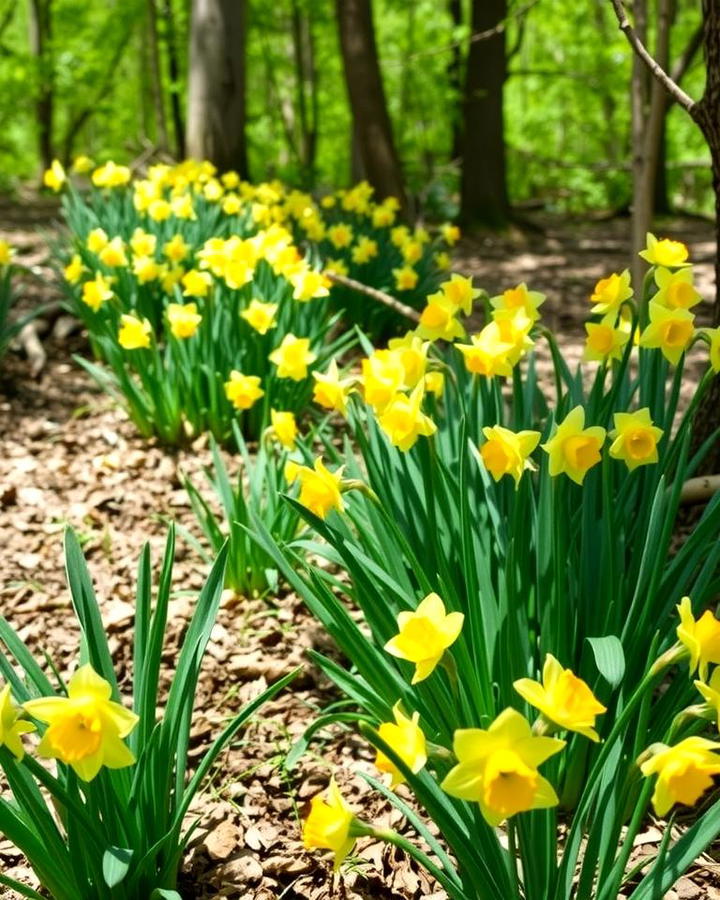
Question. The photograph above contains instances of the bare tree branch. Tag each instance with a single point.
(675, 91)
(380, 296)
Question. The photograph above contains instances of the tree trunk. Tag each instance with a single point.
(371, 121)
(168, 19)
(216, 84)
(40, 22)
(453, 75)
(156, 82)
(483, 187)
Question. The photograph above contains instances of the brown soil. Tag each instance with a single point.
(68, 455)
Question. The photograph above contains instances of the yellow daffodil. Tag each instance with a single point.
(293, 357)
(406, 738)
(671, 330)
(403, 420)
(96, 240)
(6, 253)
(170, 277)
(487, 354)
(507, 452)
(182, 207)
(513, 328)
(498, 768)
(82, 164)
(574, 449)
(243, 390)
(319, 488)
(134, 333)
(435, 383)
(684, 772)
(260, 316)
(111, 175)
(383, 375)
(12, 727)
(145, 269)
(113, 253)
(450, 233)
(460, 292)
(437, 320)
(712, 335)
(96, 292)
(442, 260)
(400, 235)
(159, 210)
(73, 271)
(412, 352)
(562, 698)
(520, 298)
(406, 278)
(604, 341)
(284, 427)
(308, 285)
(610, 293)
(634, 438)
(411, 251)
(677, 290)
(330, 390)
(328, 825)
(701, 638)
(196, 283)
(671, 254)
(365, 250)
(183, 319)
(142, 243)
(86, 728)
(711, 693)
(424, 635)
(176, 249)
(336, 267)
(55, 177)
(231, 204)
(383, 217)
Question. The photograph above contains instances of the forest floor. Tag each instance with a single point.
(68, 455)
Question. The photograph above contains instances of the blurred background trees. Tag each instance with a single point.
(477, 107)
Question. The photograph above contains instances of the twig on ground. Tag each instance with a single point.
(698, 490)
(401, 308)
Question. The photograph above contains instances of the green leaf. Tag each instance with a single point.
(164, 894)
(609, 658)
(116, 862)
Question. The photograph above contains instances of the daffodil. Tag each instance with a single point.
(159, 210)
(96, 292)
(562, 698)
(85, 729)
(437, 320)
(365, 250)
(610, 293)
(111, 175)
(498, 768)
(487, 354)
(508, 452)
(134, 333)
(712, 335)
(513, 328)
(671, 254)
(55, 176)
(243, 391)
(96, 240)
(284, 427)
(424, 635)
(671, 330)
(574, 449)
(330, 390)
(435, 382)
(196, 283)
(340, 235)
(520, 298)
(711, 693)
(309, 285)
(406, 278)
(604, 341)
(406, 738)
(146, 269)
(411, 251)
(635, 438)
(176, 249)
(684, 772)
(676, 289)
(293, 357)
(459, 291)
(450, 233)
(142, 243)
(319, 487)
(73, 271)
(403, 420)
(260, 316)
(412, 352)
(12, 727)
(328, 825)
(113, 253)
(383, 375)
(183, 319)
(701, 638)
(82, 164)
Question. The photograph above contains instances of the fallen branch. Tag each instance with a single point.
(401, 308)
(698, 490)
(34, 350)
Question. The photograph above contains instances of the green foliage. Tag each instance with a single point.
(125, 830)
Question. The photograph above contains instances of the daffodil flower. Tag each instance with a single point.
(424, 635)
